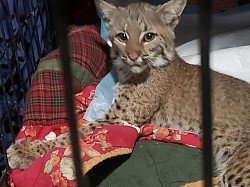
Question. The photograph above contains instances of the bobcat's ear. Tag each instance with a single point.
(106, 9)
(170, 12)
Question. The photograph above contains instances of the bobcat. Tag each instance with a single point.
(156, 86)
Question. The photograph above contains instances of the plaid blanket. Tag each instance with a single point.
(45, 102)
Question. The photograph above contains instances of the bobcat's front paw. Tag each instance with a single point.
(21, 155)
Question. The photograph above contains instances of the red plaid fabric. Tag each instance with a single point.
(45, 102)
(219, 4)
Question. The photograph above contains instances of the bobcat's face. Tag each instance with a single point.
(140, 43)
(142, 35)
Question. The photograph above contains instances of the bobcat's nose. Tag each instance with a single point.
(133, 56)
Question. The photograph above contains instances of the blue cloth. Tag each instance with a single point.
(103, 98)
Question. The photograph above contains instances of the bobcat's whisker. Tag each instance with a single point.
(150, 63)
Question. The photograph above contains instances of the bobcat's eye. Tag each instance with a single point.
(148, 37)
(122, 37)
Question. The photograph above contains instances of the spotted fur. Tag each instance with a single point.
(157, 86)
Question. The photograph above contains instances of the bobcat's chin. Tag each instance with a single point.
(138, 69)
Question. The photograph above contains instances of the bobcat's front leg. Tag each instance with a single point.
(23, 152)
(129, 107)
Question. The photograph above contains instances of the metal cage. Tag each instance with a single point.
(26, 35)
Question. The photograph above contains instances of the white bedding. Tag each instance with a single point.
(232, 61)
(224, 57)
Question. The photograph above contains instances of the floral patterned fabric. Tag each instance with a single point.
(152, 132)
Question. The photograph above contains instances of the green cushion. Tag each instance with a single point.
(151, 164)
